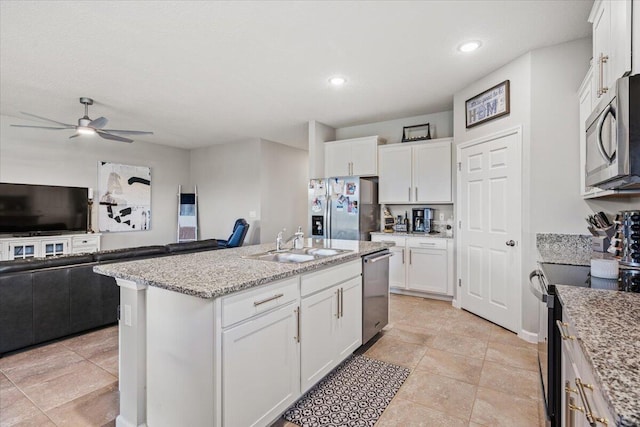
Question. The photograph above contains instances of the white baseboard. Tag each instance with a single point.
(419, 294)
(121, 422)
(528, 336)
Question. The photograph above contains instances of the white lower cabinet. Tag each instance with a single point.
(46, 246)
(420, 264)
(261, 364)
(243, 359)
(583, 404)
(428, 270)
(331, 325)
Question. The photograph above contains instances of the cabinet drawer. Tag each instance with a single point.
(315, 282)
(426, 243)
(236, 308)
(399, 241)
(85, 244)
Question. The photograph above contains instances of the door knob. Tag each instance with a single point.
(510, 243)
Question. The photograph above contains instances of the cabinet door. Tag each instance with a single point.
(601, 44)
(364, 157)
(428, 270)
(54, 247)
(394, 184)
(16, 311)
(260, 374)
(337, 158)
(397, 267)
(349, 328)
(586, 98)
(318, 314)
(432, 172)
(620, 32)
(22, 250)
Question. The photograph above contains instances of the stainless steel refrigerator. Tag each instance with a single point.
(343, 208)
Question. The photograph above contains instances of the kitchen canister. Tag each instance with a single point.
(604, 268)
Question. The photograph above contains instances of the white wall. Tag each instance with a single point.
(35, 156)
(319, 133)
(518, 72)
(228, 181)
(283, 182)
(259, 180)
(441, 126)
(544, 101)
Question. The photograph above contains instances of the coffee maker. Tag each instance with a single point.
(422, 220)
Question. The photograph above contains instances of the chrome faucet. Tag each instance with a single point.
(297, 237)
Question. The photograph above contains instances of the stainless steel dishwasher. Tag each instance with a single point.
(375, 293)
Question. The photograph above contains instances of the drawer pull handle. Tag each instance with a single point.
(588, 413)
(427, 244)
(257, 303)
(575, 408)
(297, 337)
(561, 326)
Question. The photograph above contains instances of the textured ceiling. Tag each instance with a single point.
(199, 73)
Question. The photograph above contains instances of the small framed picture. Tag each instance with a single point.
(416, 133)
(488, 105)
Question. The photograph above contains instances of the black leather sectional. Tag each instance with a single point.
(49, 298)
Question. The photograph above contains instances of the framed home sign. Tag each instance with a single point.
(488, 105)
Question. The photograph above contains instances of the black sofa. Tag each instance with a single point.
(43, 299)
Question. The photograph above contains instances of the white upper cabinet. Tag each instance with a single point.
(352, 157)
(415, 172)
(432, 172)
(611, 21)
(394, 164)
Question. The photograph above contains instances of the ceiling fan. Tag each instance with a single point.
(86, 126)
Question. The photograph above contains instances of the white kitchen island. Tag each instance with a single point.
(216, 339)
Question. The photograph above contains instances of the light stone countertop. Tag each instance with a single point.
(211, 274)
(608, 331)
(399, 234)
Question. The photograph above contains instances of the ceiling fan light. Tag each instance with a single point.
(83, 130)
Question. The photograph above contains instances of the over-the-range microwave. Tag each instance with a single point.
(613, 138)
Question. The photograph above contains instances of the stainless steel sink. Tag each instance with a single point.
(296, 255)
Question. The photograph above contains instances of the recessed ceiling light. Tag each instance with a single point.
(469, 46)
(337, 80)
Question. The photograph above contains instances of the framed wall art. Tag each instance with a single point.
(488, 105)
(124, 197)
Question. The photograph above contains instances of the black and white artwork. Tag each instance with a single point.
(124, 197)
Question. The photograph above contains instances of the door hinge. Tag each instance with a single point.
(459, 166)
(118, 313)
(460, 224)
(459, 283)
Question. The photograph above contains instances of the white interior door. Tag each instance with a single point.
(489, 183)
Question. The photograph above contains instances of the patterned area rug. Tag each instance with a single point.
(355, 393)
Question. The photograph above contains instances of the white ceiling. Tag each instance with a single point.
(199, 73)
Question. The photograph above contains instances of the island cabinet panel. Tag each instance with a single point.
(330, 320)
(349, 324)
(260, 359)
(318, 336)
(182, 366)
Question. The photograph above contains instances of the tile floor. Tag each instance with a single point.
(465, 371)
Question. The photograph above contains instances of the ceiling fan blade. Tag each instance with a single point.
(98, 123)
(36, 127)
(128, 132)
(106, 135)
(74, 135)
(48, 120)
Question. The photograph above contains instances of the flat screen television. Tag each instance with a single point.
(42, 209)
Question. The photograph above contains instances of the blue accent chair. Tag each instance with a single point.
(236, 239)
